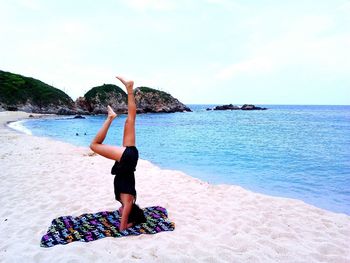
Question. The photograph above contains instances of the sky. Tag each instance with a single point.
(199, 51)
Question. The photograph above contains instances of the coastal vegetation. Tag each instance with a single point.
(162, 94)
(17, 90)
(103, 91)
(96, 99)
(152, 100)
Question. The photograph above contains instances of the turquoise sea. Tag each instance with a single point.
(301, 152)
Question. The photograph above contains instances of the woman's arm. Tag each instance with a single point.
(127, 201)
(125, 217)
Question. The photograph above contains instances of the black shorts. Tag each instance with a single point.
(124, 180)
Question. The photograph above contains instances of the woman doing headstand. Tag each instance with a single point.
(125, 157)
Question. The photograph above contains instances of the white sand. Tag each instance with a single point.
(42, 179)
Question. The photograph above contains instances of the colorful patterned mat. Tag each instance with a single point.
(90, 227)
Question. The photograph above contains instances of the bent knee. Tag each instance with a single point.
(93, 146)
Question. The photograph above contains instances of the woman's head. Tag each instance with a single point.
(136, 215)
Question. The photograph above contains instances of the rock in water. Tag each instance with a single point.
(152, 100)
(227, 107)
(251, 107)
(79, 117)
(233, 107)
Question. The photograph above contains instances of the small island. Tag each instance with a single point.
(234, 107)
(148, 100)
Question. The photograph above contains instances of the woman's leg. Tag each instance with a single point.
(128, 140)
(129, 127)
(108, 151)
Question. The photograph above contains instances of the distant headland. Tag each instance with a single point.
(27, 94)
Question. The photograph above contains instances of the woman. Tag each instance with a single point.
(125, 161)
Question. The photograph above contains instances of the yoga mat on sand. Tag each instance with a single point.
(90, 227)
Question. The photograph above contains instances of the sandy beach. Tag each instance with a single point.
(42, 179)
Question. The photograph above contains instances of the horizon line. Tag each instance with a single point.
(268, 104)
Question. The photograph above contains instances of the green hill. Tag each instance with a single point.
(103, 92)
(161, 94)
(96, 99)
(16, 91)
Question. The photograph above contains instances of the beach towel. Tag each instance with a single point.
(90, 227)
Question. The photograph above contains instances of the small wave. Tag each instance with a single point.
(18, 126)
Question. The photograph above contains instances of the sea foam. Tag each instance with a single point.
(18, 126)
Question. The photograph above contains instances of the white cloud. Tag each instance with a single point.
(77, 49)
(30, 4)
(161, 5)
(345, 7)
(307, 43)
(230, 4)
(75, 28)
(252, 66)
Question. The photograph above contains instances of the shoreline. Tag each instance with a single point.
(22, 129)
(214, 223)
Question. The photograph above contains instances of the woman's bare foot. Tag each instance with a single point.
(111, 113)
(129, 84)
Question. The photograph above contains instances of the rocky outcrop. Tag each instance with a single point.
(18, 92)
(147, 100)
(152, 100)
(95, 101)
(31, 95)
(29, 106)
(82, 106)
(227, 107)
(234, 107)
(251, 107)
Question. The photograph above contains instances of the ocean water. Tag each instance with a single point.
(301, 152)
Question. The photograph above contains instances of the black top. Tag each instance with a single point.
(124, 180)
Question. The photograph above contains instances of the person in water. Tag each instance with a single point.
(126, 158)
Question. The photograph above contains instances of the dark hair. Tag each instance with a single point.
(136, 215)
